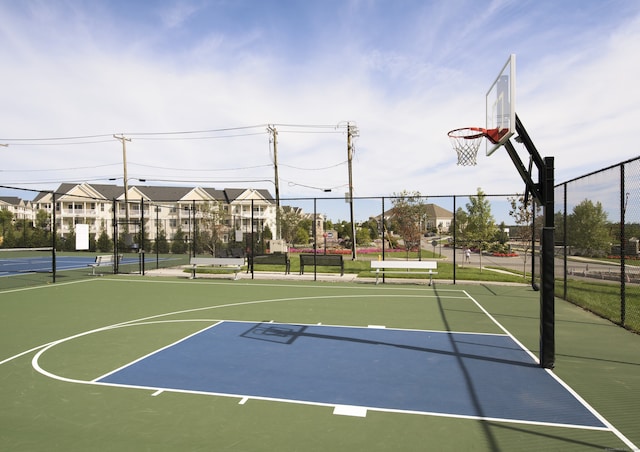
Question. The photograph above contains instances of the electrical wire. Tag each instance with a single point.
(315, 169)
(199, 169)
(71, 139)
(58, 169)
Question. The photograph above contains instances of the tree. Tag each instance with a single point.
(523, 216)
(161, 244)
(290, 218)
(6, 222)
(587, 229)
(302, 235)
(363, 236)
(178, 246)
(104, 243)
(481, 227)
(210, 227)
(372, 228)
(409, 214)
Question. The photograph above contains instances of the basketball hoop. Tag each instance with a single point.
(466, 141)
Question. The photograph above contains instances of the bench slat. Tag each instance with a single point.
(396, 266)
(230, 263)
(217, 261)
(322, 260)
(270, 259)
(418, 265)
(103, 260)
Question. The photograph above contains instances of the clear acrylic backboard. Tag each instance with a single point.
(501, 106)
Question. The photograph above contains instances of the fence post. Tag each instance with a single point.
(623, 249)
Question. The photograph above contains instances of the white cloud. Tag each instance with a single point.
(578, 101)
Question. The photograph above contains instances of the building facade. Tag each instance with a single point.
(166, 209)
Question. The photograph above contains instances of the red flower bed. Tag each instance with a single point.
(505, 254)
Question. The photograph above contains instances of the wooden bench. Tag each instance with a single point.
(407, 266)
(270, 259)
(225, 263)
(104, 260)
(322, 260)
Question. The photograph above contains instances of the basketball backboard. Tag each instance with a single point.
(501, 106)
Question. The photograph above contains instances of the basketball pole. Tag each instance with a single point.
(543, 191)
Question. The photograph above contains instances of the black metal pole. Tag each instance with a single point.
(455, 228)
(253, 243)
(313, 229)
(534, 286)
(543, 191)
(382, 225)
(157, 232)
(141, 249)
(565, 254)
(54, 231)
(547, 311)
(623, 248)
(193, 237)
(115, 237)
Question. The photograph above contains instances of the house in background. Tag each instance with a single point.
(436, 218)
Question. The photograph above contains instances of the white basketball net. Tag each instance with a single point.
(466, 143)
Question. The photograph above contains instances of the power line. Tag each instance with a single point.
(58, 169)
(70, 143)
(71, 139)
(315, 169)
(200, 169)
(200, 138)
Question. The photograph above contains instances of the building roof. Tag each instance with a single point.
(159, 194)
(156, 193)
(12, 200)
(433, 211)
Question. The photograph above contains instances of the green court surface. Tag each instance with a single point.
(58, 339)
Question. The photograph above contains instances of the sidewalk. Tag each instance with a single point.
(179, 272)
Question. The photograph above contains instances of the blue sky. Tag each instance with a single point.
(404, 71)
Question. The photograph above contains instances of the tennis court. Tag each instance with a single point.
(133, 363)
(39, 260)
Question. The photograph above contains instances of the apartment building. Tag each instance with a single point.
(168, 209)
(20, 209)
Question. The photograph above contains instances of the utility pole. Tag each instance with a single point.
(274, 140)
(352, 131)
(124, 140)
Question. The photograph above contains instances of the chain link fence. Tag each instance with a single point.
(597, 235)
(481, 236)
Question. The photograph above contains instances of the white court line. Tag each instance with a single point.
(349, 410)
(568, 388)
(49, 345)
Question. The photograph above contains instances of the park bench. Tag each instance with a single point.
(224, 263)
(270, 259)
(382, 267)
(103, 260)
(322, 260)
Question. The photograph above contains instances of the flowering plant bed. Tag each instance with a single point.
(505, 254)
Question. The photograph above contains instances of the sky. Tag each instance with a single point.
(196, 84)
